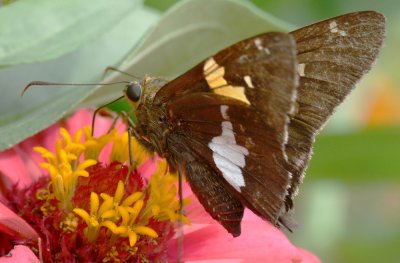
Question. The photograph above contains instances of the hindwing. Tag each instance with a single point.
(234, 119)
(332, 55)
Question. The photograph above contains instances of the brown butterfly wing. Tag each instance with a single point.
(261, 79)
(332, 55)
(264, 66)
(238, 149)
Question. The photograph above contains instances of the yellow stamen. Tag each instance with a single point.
(94, 146)
(64, 166)
(132, 238)
(94, 203)
(125, 215)
(119, 192)
(132, 198)
(162, 203)
(70, 223)
(144, 230)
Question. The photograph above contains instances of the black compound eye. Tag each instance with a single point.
(133, 91)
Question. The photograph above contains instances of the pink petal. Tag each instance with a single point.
(31, 158)
(148, 168)
(19, 164)
(206, 240)
(195, 211)
(308, 257)
(78, 120)
(218, 261)
(46, 138)
(20, 254)
(15, 226)
(13, 170)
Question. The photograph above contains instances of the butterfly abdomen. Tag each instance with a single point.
(219, 202)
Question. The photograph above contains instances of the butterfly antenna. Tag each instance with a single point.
(120, 71)
(180, 221)
(44, 83)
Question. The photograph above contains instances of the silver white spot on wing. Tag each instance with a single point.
(248, 81)
(293, 99)
(300, 69)
(333, 27)
(258, 44)
(291, 112)
(224, 109)
(289, 185)
(243, 59)
(228, 156)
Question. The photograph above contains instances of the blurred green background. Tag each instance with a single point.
(348, 208)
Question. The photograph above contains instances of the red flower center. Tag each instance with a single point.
(89, 211)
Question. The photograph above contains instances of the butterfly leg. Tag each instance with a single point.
(181, 213)
(100, 108)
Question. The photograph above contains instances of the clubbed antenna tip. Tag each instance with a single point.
(45, 83)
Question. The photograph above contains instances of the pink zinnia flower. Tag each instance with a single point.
(85, 203)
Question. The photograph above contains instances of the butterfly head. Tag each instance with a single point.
(140, 92)
(151, 119)
(133, 92)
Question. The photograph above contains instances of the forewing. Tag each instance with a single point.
(332, 56)
(233, 141)
(231, 112)
(260, 71)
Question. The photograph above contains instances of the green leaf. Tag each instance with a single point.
(184, 37)
(37, 30)
(160, 5)
(181, 39)
(369, 155)
(42, 106)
